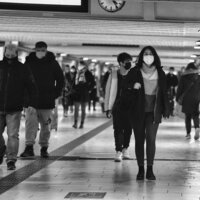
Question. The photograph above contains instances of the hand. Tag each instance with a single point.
(31, 110)
(108, 114)
(137, 86)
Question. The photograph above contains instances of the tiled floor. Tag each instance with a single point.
(86, 165)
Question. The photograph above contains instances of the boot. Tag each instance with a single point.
(150, 175)
(140, 175)
(2, 153)
(75, 125)
(81, 125)
(43, 152)
(28, 152)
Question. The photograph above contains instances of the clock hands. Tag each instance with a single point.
(118, 3)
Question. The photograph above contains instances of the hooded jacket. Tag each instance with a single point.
(15, 79)
(49, 79)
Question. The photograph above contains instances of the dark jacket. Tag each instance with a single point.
(189, 84)
(135, 98)
(15, 79)
(81, 90)
(49, 79)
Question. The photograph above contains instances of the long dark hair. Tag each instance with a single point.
(156, 61)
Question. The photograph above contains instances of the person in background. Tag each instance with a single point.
(84, 82)
(146, 95)
(15, 79)
(172, 83)
(189, 86)
(121, 125)
(50, 81)
(66, 97)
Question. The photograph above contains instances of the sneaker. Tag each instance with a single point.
(44, 153)
(188, 136)
(125, 153)
(118, 156)
(28, 152)
(2, 153)
(11, 165)
(196, 136)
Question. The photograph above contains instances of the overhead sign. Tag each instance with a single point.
(52, 2)
(46, 5)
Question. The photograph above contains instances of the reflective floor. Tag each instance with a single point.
(82, 161)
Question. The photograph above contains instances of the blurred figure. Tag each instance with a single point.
(50, 81)
(84, 82)
(146, 95)
(172, 83)
(180, 73)
(15, 79)
(67, 90)
(121, 125)
(189, 93)
(93, 94)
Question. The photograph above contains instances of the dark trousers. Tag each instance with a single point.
(147, 130)
(122, 130)
(188, 121)
(76, 111)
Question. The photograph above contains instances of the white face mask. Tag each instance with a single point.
(148, 59)
(80, 67)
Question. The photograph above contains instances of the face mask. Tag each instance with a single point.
(72, 71)
(40, 54)
(148, 59)
(80, 67)
(127, 65)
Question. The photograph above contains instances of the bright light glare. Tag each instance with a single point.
(53, 2)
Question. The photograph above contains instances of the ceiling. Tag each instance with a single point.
(103, 38)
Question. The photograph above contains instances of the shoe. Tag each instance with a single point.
(197, 130)
(125, 154)
(11, 165)
(2, 154)
(118, 156)
(43, 152)
(75, 125)
(140, 175)
(150, 175)
(81, 125)
(188, 136)
(28, 152)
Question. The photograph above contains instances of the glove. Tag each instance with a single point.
(108, 114)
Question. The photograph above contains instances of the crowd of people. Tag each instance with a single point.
(135, 95)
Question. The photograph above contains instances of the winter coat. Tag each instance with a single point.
(81, 90)
(135, 98)
(15, 79)
(49, 79)
(190, 84)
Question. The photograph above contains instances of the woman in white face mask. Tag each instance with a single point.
(149, 105)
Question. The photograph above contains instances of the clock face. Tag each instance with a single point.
(112, 5)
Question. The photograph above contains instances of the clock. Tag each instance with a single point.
(112, 5)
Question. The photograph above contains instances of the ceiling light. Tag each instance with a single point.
(197, 42)
(197, 47)
(85, 59)
(193, 56)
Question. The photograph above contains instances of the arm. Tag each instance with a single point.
(59, 78)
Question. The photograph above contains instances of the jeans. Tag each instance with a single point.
(122, 129)
(148, 132)
(76, 111)
(188, 118)
(33, 119)
(12, 121)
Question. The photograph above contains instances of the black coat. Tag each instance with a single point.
(15, 79)
(49, 79)
(136, 98)
(191, 99)
(82, 90)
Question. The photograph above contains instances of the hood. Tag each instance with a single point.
(49, 56)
